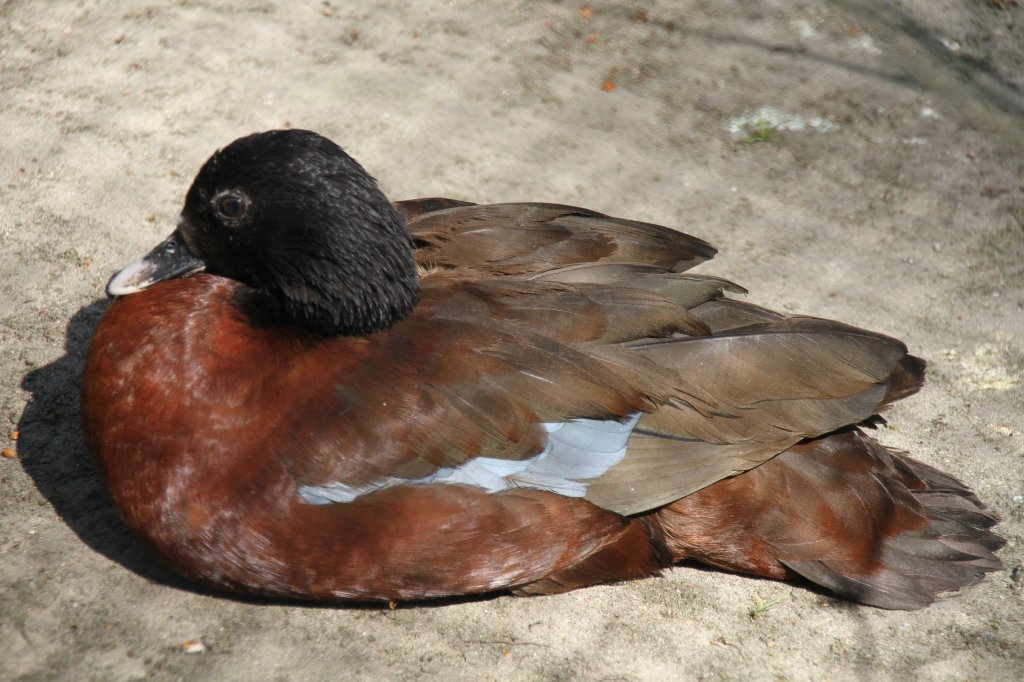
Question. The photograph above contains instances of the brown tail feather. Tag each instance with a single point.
(844, 512)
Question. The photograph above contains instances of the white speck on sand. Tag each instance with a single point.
(778, 120)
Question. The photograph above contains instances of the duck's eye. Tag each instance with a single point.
(231, 206)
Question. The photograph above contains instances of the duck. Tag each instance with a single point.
(309, 392)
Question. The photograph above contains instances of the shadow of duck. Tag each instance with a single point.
(52, 453)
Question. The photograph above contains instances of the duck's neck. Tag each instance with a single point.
(337, 305)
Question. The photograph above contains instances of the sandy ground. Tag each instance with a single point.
(891, 197)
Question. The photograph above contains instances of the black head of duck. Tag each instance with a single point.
(292, 216)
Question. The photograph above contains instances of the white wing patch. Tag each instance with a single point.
(577, 452)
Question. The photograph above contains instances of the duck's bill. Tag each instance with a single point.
(168, 260)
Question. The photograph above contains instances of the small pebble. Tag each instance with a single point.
(193, 646)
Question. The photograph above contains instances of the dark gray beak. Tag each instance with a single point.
(168, 260)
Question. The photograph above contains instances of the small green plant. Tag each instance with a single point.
(761, 606)
(761, 130)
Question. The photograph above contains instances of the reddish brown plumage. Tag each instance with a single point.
(215, 427)
(241, 518)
